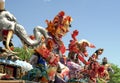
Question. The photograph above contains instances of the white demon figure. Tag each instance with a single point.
(9, 26)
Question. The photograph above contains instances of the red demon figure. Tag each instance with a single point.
(77, 50)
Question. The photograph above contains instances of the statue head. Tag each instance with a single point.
(60, 25)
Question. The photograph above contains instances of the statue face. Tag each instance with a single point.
(60, 25)
(60, 32)
(7, 26)
(7, 21)
(63, 28)
(100, 52)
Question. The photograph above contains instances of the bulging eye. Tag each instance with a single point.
(8, 18)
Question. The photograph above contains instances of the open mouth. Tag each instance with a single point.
(60, 35)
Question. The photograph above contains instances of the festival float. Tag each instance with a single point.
(48, 62)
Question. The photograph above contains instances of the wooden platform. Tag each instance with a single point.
(12, 81)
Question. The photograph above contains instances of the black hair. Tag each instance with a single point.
(100, 49)
(2, 10)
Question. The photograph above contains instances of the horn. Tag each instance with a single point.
(9, 36)
(2, 4)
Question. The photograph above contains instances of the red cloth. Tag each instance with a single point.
(62, 49)
(5, 32)
(32, 37)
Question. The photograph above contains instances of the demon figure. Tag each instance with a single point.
(96, 54)
(56, 29)
(108, 69)
(95, 71)
(52, 48)
(77, 50)
(10, 26)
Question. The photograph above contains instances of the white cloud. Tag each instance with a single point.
(47, 0)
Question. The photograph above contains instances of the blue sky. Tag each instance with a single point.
(98, 21)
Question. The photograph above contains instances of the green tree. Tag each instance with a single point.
(115, 78)
(24, 54)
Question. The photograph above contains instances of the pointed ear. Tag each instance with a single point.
(2, 4)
